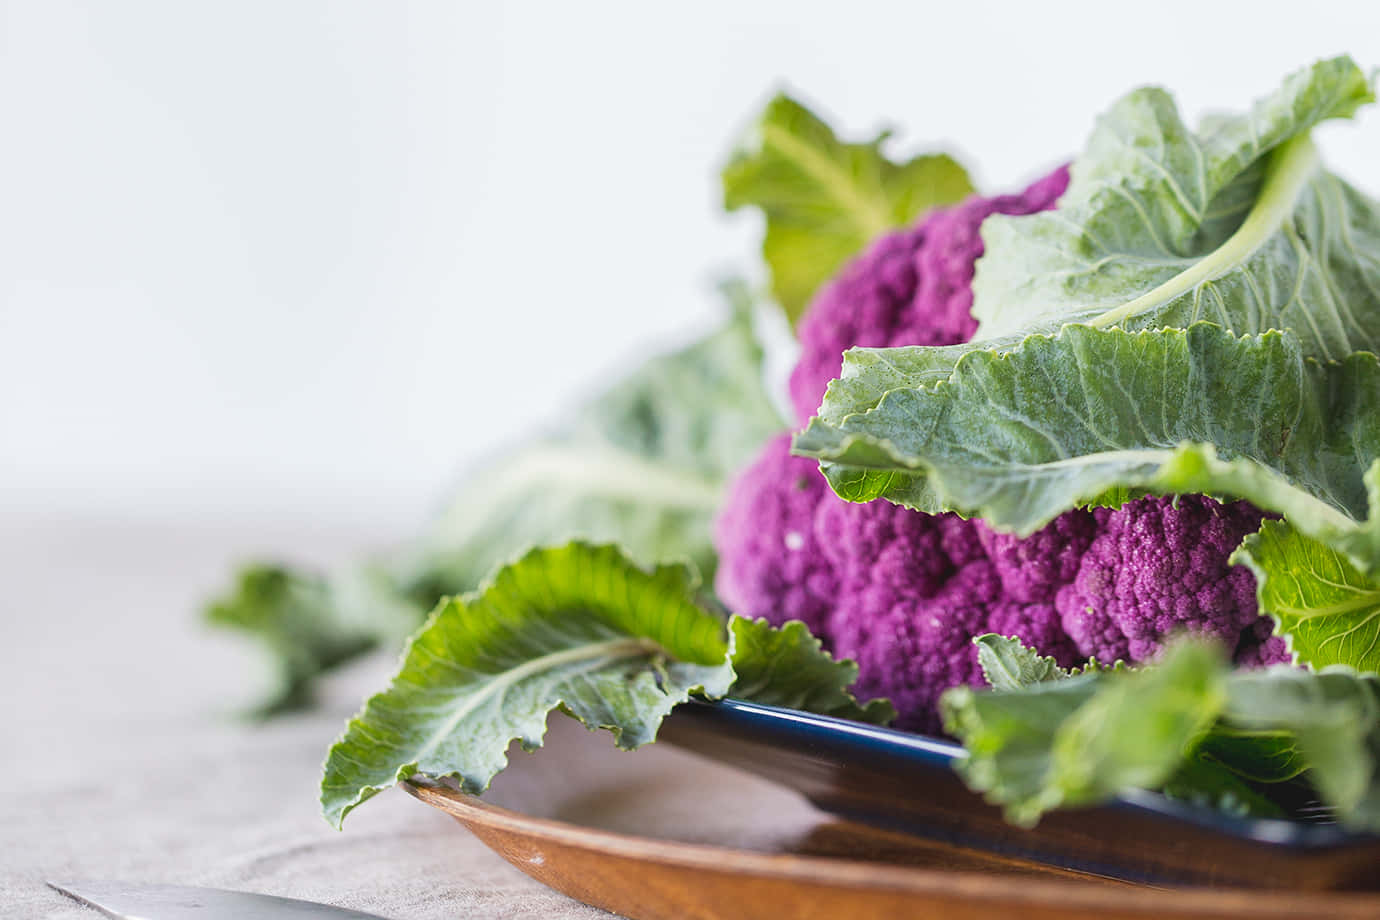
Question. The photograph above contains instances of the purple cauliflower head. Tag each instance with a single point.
(1159, 566)
(904, 593)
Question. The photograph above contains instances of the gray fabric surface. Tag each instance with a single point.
(124, 759)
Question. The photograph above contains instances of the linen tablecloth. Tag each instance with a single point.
(124, 758)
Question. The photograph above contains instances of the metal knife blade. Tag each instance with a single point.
(126, 901)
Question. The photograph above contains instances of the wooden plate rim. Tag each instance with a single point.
(1068, 894)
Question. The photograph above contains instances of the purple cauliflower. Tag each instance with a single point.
(1158, 566)
(902, 592)
(911, 287)
(775, 567)
(913, 588)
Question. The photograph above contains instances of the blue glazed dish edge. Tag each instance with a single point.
(900, 749)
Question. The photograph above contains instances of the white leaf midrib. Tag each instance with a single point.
(577, 468)
(1292, 166)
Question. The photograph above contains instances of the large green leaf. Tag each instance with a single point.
(1082, 739)
(1161, 228)
(579, 627)
(1021, 437)
(1236, 224)
(1184, 724)
(825, 199)
(643, 463)
(1327, 610)
(583, 629)
(1334, 718)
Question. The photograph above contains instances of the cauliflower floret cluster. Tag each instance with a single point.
(1159, 565)
(903, 592)
(911, 287)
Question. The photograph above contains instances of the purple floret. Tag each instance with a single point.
(1159, 566)
(904, 593)
(770, 564)
(911, 287)
(879, 543)
(912, 649)
(1259, 647)
(1033, 568)
(915, 589)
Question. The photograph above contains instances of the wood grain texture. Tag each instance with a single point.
(887, 877)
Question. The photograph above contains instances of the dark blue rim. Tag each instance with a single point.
(898, 747)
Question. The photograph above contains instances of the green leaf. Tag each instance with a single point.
(1137, 730)
(1238, 741)
(825, 199)
(1160, 228)
(1009, 735)
(1205, 782)
(1020, 438)
(788, 667)
(1083, 739)
(1265, 755)
(1236, 224)
(1009, 664)
(578, 627)
(1327, 610)
(309, 624)
(643, 464)
(1334, 718)
(583, 629)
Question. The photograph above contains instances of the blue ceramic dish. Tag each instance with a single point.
(906, 782)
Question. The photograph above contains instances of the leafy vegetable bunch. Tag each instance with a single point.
(1132, 413)
(904, 592)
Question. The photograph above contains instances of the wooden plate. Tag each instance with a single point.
(889, 877)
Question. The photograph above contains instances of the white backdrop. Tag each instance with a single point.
(310, 257)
